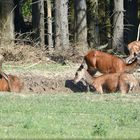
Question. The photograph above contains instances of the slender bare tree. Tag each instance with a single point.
(81, 24)
(118, 21)
(49, 24)
(92, 20)
(38, 21)
(61, 25)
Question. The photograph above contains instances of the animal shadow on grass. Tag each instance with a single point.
(79, 87)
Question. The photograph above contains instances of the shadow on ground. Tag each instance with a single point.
(79, 87)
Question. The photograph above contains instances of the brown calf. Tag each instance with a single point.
(16, 84)
(134, 49)
(108, 82)
(106, 63)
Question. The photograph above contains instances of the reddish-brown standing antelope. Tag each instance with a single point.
(106, 63)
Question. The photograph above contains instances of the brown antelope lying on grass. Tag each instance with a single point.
(112, 82)
(2, 73)
(106, 63)
(16, 84)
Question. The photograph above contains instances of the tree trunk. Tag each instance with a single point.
(49, 24)
(61, 25)
(92, 19)
(81, 24)
(6, 23)
(131, 20)
(18, 18)
(110, 28)
(118, 39)
(38, 22)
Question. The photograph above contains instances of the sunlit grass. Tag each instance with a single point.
(56, 67)
(69, 116)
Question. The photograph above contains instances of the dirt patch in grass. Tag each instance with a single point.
(42, 84)
(47, 82)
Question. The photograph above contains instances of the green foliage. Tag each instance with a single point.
(26, 9)
(92, 10)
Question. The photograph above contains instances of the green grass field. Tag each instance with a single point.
(67, 115)
(62, 115)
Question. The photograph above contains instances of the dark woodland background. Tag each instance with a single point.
(62, 25)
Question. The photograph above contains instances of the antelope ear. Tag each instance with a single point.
(85, 66)
(82, 66)
(135, 54)
(132, 60)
